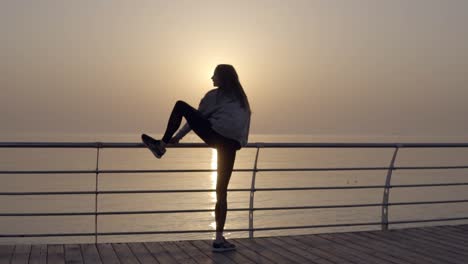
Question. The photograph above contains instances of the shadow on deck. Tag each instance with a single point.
(437, 244)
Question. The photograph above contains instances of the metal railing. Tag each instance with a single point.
(251, 209)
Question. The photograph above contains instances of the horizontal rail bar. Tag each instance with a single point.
(234, 170)
(236, 190)
(185, 211)
(48, 172)
(48, 235)
(118, 192)
(233, 209)
(232, 230)
(50, 214)
(432, 167)
(429, 185)
(181, 171)
(181, 231)
(428, 220)
(49, 193)
(427, 202)
(250, 145)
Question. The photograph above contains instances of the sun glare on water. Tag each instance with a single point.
(214, 176)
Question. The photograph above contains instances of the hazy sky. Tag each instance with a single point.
(350, 67)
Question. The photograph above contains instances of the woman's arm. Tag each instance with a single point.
(181, 133)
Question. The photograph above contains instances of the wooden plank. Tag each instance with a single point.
(280, 250)
(442, 230)
(457, 234)
(291, 244)
(107, 253)
(401, 245)
(55, 254)
(196, 254)
(6, 253)
(249, 254)
(314, 250)
(435, 245)
(335, 249)
(465, 227)
(124, 253)
(428, 247)
(449, 253)
(206, 249)
(455, 229)
(38, 254)
(90, 254)
(73, 254)
(459, 230)
(368, 253)
(21, 254)
(159, 253)
(303, 253)
(446, 235)
(384, 248)
(177, 253)
(322, 248)
(404, 247)
(266, 252)
(234, 255)
(142, 253)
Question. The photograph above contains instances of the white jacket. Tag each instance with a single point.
(226, 115)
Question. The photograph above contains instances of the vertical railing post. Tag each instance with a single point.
(252, 194)
(98, 147)
(386, 193)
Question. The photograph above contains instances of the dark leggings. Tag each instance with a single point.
(226, 149)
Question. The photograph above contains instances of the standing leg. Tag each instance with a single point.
(226, 158)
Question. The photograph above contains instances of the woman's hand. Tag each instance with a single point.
(174, 140)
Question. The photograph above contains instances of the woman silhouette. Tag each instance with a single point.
(222, 121)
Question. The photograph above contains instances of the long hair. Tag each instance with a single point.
(229, 82)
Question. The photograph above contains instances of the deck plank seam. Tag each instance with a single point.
(424, 240)
(134, 254)
(417, 254)
(115, 253)
(382, 248)
(275, 253)
(322, 249)
(247, 252)
(420, 252)
(155, 258)
(285, 250)
(255, 249)
(290, 248)
(347, 250)
(197, 254)
(352, 248)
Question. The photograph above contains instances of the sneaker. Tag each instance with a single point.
(153, 145)
(223, 246)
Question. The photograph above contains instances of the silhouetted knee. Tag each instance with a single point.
(181, 107)
(181, 104)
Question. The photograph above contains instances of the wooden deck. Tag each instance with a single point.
(442, 244)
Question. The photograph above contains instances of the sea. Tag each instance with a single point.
(205, 158)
